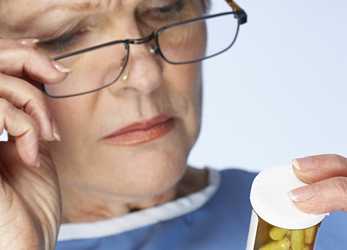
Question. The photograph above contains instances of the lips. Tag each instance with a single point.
(142, 132)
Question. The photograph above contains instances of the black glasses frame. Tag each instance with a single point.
(238, 13)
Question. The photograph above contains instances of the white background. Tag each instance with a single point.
(281, 91)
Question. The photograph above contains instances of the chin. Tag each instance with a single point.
(154, 172)
(145, 170)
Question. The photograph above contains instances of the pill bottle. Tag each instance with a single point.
(276, 223)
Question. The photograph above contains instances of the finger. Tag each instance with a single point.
(21, 126)
(322, 197)
(31, 100)
(21, 60)
(319, 167)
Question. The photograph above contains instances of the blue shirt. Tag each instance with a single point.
(215, 218)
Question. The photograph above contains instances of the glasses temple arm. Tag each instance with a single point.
(235, 7)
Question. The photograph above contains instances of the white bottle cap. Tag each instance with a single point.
(270, 199)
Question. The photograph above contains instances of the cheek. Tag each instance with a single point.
(185, 80)
(70, 114)
(185, 92)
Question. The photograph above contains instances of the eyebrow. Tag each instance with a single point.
(77, 6)
(80, 6)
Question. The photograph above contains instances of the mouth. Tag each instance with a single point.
(142, 132)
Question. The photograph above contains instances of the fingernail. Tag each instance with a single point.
(29, 41)
(303, 164)
(56, 135)
(301, 194)
(61, 68)
(37, 162)
(296, 165)
(48, 137)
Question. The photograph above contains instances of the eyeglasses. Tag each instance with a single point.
(186, 37)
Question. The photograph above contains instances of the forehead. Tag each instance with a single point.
(19, 18)
(17, 10)
(18, 15)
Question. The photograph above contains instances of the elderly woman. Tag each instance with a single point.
(102, 104)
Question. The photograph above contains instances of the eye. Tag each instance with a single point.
(166, 11)
(64, 42)
(175, 7)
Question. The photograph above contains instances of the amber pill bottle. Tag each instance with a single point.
(276, 223)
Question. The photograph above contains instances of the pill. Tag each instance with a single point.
(283, 244)
(297, 239)
(277, 233)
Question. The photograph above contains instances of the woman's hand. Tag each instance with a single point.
(30, 204)
(327, 176)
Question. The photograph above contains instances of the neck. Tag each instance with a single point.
(78, 206)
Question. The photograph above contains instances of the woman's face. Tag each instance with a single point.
(137, 164)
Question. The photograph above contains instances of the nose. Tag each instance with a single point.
(143, 73)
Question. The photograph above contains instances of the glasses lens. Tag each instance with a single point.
(90, 71)
(198, 40)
